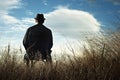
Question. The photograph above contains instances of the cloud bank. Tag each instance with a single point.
(71, 22)
(9, 4)
(62, 20)
(11, 23)
(10, 26)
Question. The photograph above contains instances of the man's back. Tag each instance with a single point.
(38, 37)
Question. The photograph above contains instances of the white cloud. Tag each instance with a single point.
(10, 25)
(11, 22)
(28, 20)
(63, 20)
(15, 24)
(23, 24)
(72, 22)
(9, 4)
(5, 8)
(7, 19)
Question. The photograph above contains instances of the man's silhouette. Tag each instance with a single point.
(38, 39)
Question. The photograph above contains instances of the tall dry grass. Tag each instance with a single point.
(100, 61)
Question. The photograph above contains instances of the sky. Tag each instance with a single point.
(68, 19)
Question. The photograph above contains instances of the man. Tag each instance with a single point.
(38, 39)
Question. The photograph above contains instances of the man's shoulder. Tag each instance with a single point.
(40, 27)
(31, 27)
(47, 28)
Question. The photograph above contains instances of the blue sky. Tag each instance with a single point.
(66, 18)
(106, 9)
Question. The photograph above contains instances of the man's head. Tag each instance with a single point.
(40, 18)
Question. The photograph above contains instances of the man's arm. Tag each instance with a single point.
(50, 42)
(25, 39)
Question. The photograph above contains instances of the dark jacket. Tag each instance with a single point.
(38, 38)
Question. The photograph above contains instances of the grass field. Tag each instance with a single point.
(101, 61)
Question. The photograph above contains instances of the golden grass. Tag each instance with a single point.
(100, 62)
